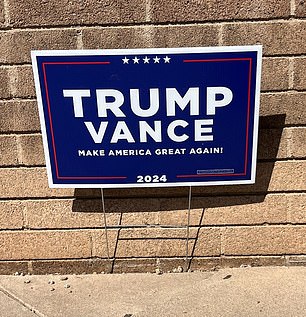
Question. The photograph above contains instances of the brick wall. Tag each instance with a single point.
(46, 230)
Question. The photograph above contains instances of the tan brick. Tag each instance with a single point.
(233, 210)
(288, 176)
(150, 36)
(269, 240)
(99, 248)
(8, 150)
(28, 182)
(22, 81)
(125, 37)
(197, 10)
(156, 233)
(208, 242)
(297, 142)
(153, 248)
(300, 8)
(61, 213)
(245, 210)
(4, 83)
(140, 218)
(297, 211)
(2, 14)
(19, 116)
(277, 109)
(17, 245)
(275, 74)
(128, 211)
(132, 205)
(187, 35)
(174, 211)
(163, 217)
(273, 143)
(53, 12)
(31, 149)
(179, 217)
(282, 143)
(276, 37)
(299, 79)
(11, 214)
(26, 41)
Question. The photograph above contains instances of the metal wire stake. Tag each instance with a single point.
(105, 224)
(188, 225)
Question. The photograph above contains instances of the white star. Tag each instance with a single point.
(146, 60)
(156, 60)
(136, 60)
(125, 60)
(167, 59)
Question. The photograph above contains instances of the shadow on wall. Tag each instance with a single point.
(139, 199)
(135, 200)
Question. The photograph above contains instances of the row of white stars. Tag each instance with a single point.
(146, 60)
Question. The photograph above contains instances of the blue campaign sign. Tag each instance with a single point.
(149, 117)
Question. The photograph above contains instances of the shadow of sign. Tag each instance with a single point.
(173, 200)
(270, 132)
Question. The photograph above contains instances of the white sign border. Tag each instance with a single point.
(141, 51)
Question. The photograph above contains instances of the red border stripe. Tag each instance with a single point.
(51, 124)
(248, 114)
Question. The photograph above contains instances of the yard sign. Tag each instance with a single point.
(149, 117)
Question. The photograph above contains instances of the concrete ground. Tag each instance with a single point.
(246, 292)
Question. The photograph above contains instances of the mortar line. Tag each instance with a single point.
(80, 44)
(13, 77)
(222, 229)
(160, 24)
(290, 151)
(30, 267)
(288, 213)
(143, 24)
(21, 302)
(292, 8)
(220, 34)
(6, 13)
(19, 150)
(291, 73)
(148, 11)
(24, 214)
